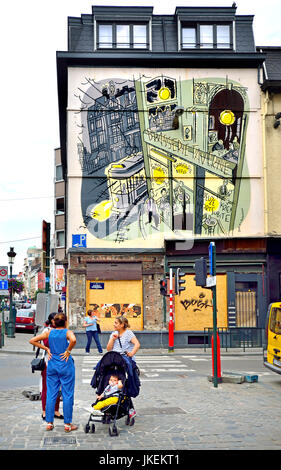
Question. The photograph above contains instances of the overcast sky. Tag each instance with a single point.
(31, 33)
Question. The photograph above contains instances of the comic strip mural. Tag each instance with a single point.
(159, 155)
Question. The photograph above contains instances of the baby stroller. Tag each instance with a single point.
(128, 372)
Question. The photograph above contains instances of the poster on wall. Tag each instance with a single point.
(60, 277)
(159, 155)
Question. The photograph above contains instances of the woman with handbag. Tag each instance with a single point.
(60, 370)
(124, 341)
(49, 324)
(91, 325)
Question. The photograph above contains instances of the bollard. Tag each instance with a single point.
(10, 329)
(218, 358)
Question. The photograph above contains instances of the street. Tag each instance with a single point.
(177, 408)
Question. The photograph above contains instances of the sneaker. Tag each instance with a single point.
(87, 352)
(100, 352)
(132, 413)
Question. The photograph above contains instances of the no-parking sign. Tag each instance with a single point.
(4, 280)
(3, 272)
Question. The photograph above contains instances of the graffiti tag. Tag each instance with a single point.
(198, 304)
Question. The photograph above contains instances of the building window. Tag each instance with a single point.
(122, 36)
(189, 38)
(223, 36)
(60, 205)
(60, 239)
(140, 36)
(59, 174)
(105, 36)
(206, 36)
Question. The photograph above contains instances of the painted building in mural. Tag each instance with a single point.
(148, 172)
(161, 147)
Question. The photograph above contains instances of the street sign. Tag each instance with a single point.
(79, 241)
(96, 285)
(211, 258)
(3, 272)
(211, 281)
(4, 285)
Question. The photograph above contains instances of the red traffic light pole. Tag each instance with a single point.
(171, 320)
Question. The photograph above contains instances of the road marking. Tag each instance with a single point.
(159, 380)
(150, 367)
(198, 359)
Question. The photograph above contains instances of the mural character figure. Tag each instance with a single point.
(223, 190)
(152, 210)
(164, 205)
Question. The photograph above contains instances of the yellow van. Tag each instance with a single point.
(272, 351)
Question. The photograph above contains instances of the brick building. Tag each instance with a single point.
(161, 153)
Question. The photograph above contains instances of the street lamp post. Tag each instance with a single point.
(11, 324)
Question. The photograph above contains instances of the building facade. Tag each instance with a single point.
(33, 275)
(270, 80)
(161, 153)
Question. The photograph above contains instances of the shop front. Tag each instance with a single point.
(112, 298)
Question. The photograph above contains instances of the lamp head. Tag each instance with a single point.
(11, 255)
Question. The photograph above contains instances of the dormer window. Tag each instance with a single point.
(122, 36)
(206, 36)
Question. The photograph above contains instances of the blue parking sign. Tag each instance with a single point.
(79, 241)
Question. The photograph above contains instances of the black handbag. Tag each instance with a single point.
(98, 328)
(38, 363)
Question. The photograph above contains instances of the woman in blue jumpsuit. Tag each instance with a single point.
(60, 371)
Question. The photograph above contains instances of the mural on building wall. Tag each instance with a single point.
(160, 154)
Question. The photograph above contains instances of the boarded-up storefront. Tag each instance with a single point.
(115, 289)
(194, 307)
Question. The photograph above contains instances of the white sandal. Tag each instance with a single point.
(70, 427)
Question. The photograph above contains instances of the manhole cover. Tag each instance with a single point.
(52, 441)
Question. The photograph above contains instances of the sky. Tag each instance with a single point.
(31, 32)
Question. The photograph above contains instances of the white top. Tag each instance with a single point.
(125, 340)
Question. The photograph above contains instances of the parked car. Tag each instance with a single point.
(25, 319)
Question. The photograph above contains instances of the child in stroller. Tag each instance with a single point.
(118, 406)
(110, 394)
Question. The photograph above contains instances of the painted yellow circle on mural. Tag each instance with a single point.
(164, 93)
(227, 117)
(159, 175)
(102, 211)
(212, 204)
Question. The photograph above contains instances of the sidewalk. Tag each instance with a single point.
(174, 412)
(20, 345)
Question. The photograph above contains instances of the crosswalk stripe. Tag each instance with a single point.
(152, 368)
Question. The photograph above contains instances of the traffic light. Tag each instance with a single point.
(179, 281)
(46, 231)
(46, 234)
(163, 286)
(44, 261)
(200, 272)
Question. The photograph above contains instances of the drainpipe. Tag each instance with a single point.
(264, 151)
